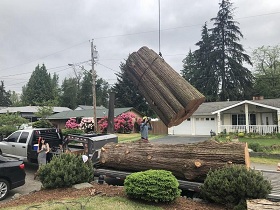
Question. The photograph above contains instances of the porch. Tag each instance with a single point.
(260, 129)
(248, 117)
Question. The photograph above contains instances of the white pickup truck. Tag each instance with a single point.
(23, 143)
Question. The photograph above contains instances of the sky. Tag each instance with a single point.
(58, 33)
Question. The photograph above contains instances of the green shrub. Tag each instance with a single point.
(256, 147)
(65, 170)
(241, 134)
(152, 185)
(71, 131)
(7, 130)
(233, 185)
(42, 124)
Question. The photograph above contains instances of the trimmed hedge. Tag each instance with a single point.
(152, 185)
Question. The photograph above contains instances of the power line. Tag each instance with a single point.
(54, 53)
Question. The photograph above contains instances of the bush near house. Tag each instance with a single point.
(152, 185)
(233, 185)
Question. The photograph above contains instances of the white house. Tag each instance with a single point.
(259, 116)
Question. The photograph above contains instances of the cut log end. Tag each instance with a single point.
(197, 164)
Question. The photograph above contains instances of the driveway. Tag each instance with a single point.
(30, 184)
(174, 139)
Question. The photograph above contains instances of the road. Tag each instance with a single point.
(35, 185)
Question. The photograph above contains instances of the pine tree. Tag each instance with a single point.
(235, 79)
(39, 87)
(69, 93)
(127, 94)
(4, 96)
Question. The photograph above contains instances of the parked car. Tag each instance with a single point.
(23, 143)
(12, 175)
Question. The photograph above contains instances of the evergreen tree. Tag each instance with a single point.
(4, 96)
(69, 90)
(85, 92)
(127, 94)
(235, 80)
(102, 91)
(56, 90)
(15, 98)
(39, 87)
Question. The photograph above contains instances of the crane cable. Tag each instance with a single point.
(160, 54)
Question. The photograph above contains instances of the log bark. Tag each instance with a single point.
(170, 93)
(186, 161)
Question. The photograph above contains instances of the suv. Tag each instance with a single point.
(23, 143)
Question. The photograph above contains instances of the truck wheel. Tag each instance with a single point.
(4, 189)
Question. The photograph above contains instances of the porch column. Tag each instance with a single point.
(278, 120)
(219, 121)
(247, 117)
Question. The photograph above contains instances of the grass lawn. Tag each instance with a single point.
(96, 202)
(134, 136)
(262, 141)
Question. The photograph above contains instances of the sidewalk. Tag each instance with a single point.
(260, 166)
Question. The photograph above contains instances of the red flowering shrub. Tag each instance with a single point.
(124, 123)
(71, 124)
(103, 124)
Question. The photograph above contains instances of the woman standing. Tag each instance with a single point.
(42, 151)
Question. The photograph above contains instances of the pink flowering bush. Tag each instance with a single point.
(87, 124)
(124, 123)
(72, 124)
(103, 124)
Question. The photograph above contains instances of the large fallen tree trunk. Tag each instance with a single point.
(185, 161)
(170, 95)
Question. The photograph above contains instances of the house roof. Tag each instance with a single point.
(209, 108)
(89, 113)
(85, 107)
(30, 109)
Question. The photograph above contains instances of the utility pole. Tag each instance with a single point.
(93, 74)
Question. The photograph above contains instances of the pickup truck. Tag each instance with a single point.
(23, 143)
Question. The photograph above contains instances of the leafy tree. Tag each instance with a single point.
(4, 96)
(12, 119)
(235, 80)
(15, 98)
(127, 94)
(69, 93)
(39, 87)
(267, 71)
(44, 112)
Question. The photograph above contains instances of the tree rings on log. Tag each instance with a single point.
(171, 97)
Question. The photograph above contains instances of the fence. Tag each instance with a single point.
(159, 128)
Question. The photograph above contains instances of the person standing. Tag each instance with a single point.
(145, 126)
(42, 150)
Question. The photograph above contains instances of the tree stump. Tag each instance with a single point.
(186, 161)
(169, 94)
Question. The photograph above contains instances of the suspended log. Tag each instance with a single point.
(169, 94)
(186, 161)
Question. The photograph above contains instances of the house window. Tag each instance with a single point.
(212, 118)
(189, 119)
(238, 119)
(207, 119)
